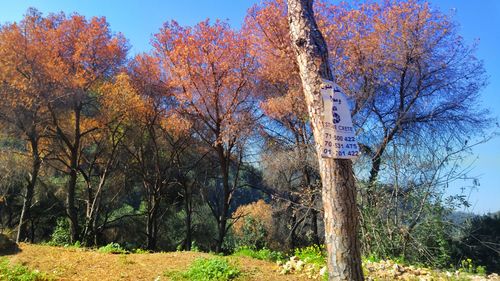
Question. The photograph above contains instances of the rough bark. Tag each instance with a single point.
(339, 192)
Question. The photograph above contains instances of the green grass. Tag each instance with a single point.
(312, 254)
(11, 272)
(262, 254)
(207, 269)
(112, 248)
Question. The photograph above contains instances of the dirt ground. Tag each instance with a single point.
(80, 264)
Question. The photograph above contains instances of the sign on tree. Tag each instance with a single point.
(339, 140)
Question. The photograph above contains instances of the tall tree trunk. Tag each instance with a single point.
(30, 191)
(339, 190)
(314, 222)
(70, 206)
(151, 223)
(222, 220)
(25, 212)
(73, 177)
(188, 210)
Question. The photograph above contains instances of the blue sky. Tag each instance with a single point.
(138, 20)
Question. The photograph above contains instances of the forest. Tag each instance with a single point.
(205, 142)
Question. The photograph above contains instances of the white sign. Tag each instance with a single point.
(339, 139)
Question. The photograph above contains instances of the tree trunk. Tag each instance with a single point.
(314, 222)
(70, 206)
(73, 177)
(151, 223)
(223, 216)
(25, 212)
(188, 210)
(30, 191)
(339, 190)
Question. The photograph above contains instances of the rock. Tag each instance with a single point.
(299, 266)
(7, 246)
(323, 271)
(493, 276)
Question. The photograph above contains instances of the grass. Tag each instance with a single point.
(262, 254)
(74, 264)
(112, 248)
(13, 272)
(208, 269)
(312, 254)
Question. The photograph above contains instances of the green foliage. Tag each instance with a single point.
(112, 248)
(262, 254)
(479, 242)
(253, 234)
(207, 269)
(313, 254)
(141, 251)
(18, 272)
(468, 266)
(61, 235)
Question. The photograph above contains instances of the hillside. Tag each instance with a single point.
(60, 263)
(80, 264)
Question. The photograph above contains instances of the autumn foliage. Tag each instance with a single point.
(175, 147)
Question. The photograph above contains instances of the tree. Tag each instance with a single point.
(339, 189)
(149, 142)
(210, 69)
(82, 54)
(23, 86)
(286, 129)
(416, 85)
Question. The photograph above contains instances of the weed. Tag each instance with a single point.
(312, 254)
(19, 273)
(207, 269)
(141, 251)
(262, 254)
(112, 248)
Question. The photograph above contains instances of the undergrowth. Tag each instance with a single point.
(208, 269)
(262, 254)
(112, 248)
(312, 254)
(12, 272)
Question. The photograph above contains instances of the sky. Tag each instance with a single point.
(139, 20)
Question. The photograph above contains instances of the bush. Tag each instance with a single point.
(468, 266)
(61, 235)
(112, 248)
(141, 251)
(312, 254)
(262, 254)
(18, 272)
(254, 226)
(207, 269)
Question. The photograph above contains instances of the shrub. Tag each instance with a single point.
(207, 269)
(19, 272)
(262, 254)
(141, 251)
(61, 235)
(112, 248)
(312, 254)
(468, 266)
(254, 225)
